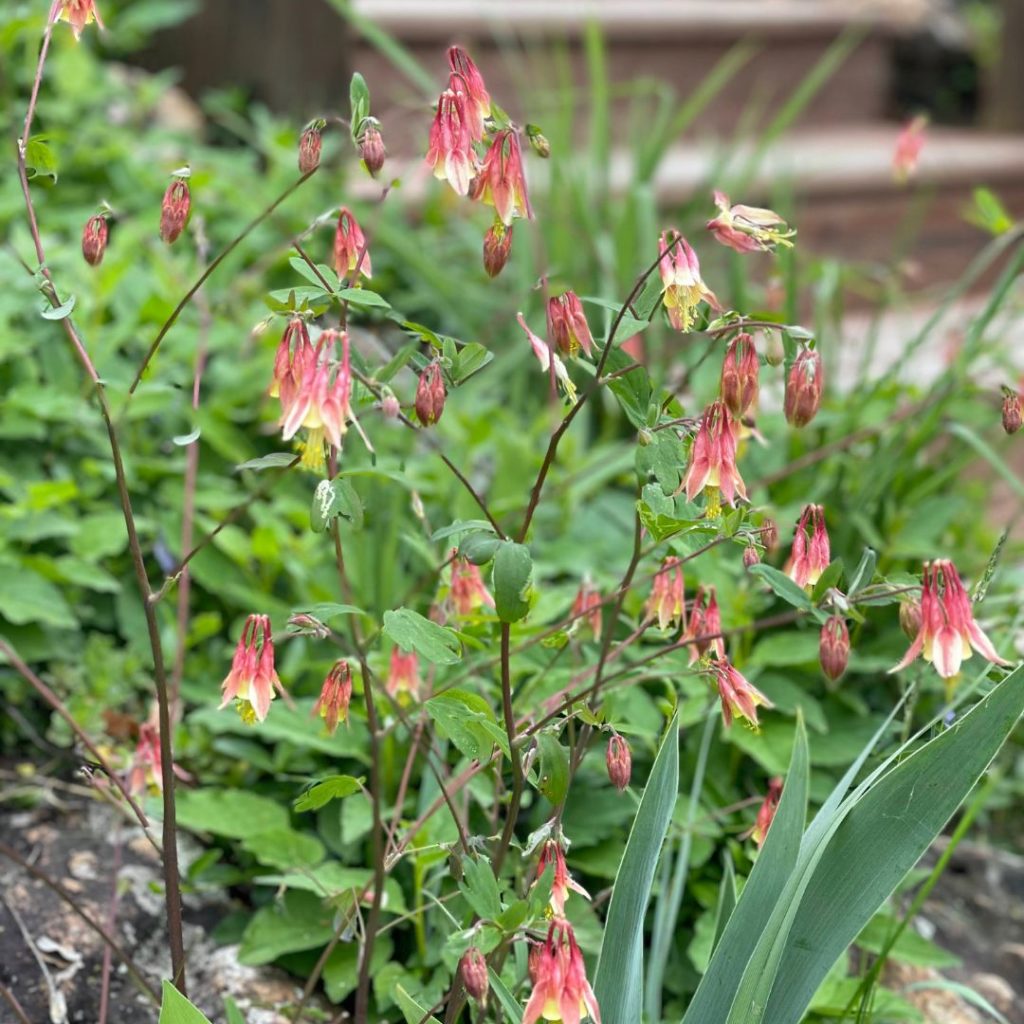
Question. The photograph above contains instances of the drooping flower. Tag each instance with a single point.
(501, 182)
(748, 228)
(252, 681)
(350, 249)
(803, 388)
(586, 606)
(310, 144)
(683, 289)
(335, 695)
(834, 647)
(713, 456)
(948, 630)
(542, 350)
(94, 240)
(473, 971)
(562, 882)
(561, 991)
(404, 674)
(705, 626)
(751, 556)
(908, 149)
(1013, 414)
(810, 555)
(467, 588)
(78, 14)
(467, 73)
(618, 761)
(667, 601)
(430, 395)
(740, 369)
(739, 696)
(450, 151)
(766, 812)
(371, 146)
(567, 324)
(174, 210)
(910, 618)
(497, 247)
(293, 354)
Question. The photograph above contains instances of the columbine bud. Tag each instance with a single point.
(389, 404)
(751, 556)
(309, 146)
(770, 535)
(304, 624)
(567, 324)
(538, 141)
(371, 146)
(803, 388)
(619, 761)
(834, 647)
(774, 350)
(740, 369)
(94, 245)
(497, 246)
(430, 395)
(174, 210)
(332, 704)
(910, 618)
(1012, 414)
(473, 968)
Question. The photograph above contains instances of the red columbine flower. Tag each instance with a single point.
(310, 143)
(803, 388)
(668, 601)
(467, 588)
(371, 146)
(78, 14)
(948, 630)
(542, 350)
(404, 674)
(705, 622)
(497, 247)
(908, 149)
(740, 369)
(562, 881)
(751, 556)
(586, 606)
(501, 182)
(252, 680)
(430, 395)
(316, 392)
(834, 647)
(683, 289)
(350, 249)
(809, 558)
(450, 152)
(293, 354)
(473, 970)
(335, 694)
(174, 210)
(766, 812)
(94, 240)
(466, 72)
(748, 228)
(713, 456)
(561, 991)
(567, 325)
(619, 762)
(738, 696)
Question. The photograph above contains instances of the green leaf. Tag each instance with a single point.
(479, 548)
(468, 721)
(412, 632)
(58, 312)
(472, 358)
(726, 900)
(298, 921)
(39, 159)
(480, 888)
(26, 597)
(233, 1013)
(462, 526)
(229, 812)
(300, 266)
(275, 460)
(782, 585)
(359, 101)
(285, 848)
(513, 568)
(413, 1012)
(618, 982)
(333, 498)
(327, 610)
(864, 573)
(335, 787)
(553, 773)
(176, 1009)
(363, 297)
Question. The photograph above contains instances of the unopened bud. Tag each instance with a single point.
(308, 625)
(497, 246)
(538, 141)
(174, 210)
(309, 146)
(430, 395)
(910, 618)
(371, 146)
(389, 405)
(803, 388)
(473, 968)
(770, 535)
(751, 556)
(834, 647)
(94, 241)
(739, 375)
(1012, 414)
(774, 350)
(619, 761)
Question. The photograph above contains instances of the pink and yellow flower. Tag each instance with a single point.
(404, 674)
(561, 991)
(738, 695)
(78, 14)
(501, 182)
(766, 812)
(748, 228)
(667, 601)
(804, 386)
(466, 76)
(586, 606)
(252, 681)
(740, 369)
(567, 324)
(562, 882)
(683, 289)
(335, 695)
(547, 358)
(713, 456)
(908, 149)
(468, 592)
(811, 553)
(351, 255)
(450, 151)
(705, 627)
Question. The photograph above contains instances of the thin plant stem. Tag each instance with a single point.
(12, 1002)
(514, 757)
(111, 919)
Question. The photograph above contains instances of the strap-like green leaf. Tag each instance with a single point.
(176, 1009)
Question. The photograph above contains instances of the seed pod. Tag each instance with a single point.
(473, 968)
(834, 647)
(619, 761)
(538, 141)
(497, 247)
(1012, 414)
(430, 395)
(174, 210)
(309, 146)
(371, 146)
(803, 389)
(910, 618)
(94, 239)
(751, 556)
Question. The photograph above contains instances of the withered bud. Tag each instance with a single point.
(834, 647)
(94, 239)
(803, 388)
(304, 624)
(770, 535)
(1012, 414)
(910, 618)
(473, 968)
(751, 556)
(538, 141)
(174, 210)
(619, 761)
(371, 146)
(430, 395)
(309, 146)
(497, 246)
